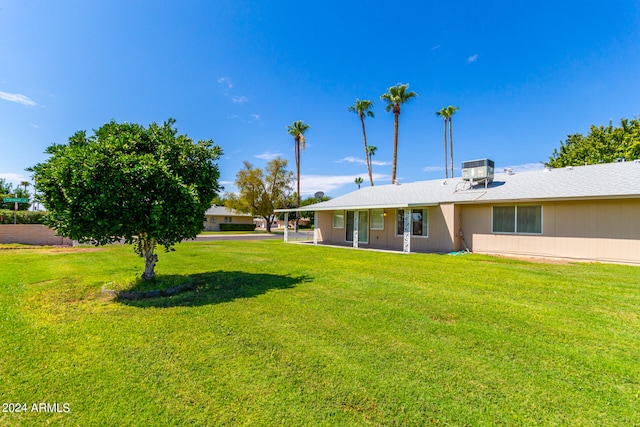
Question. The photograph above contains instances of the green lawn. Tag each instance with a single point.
(278, 334)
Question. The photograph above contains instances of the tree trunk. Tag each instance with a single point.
(297, 153)
(268, 226)
(366, 152)
(446, 165)
(395, 144)
(147, 247)
(451, 144)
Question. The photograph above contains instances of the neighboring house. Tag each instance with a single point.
(217, 215)
(583, 213)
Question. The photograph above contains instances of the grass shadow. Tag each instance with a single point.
(221, 286)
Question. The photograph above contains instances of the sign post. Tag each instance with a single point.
(15, 201)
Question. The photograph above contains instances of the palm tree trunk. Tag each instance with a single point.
(446, 165)
(297, 153)
(395, 146)
(366, 152)
(451, 144)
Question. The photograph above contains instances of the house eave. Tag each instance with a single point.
(355, 207)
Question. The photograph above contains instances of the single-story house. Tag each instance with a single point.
(216, 215)
(589, 213)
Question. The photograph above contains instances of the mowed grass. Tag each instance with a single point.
(286, 334)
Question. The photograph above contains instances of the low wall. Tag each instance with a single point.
(31, 234)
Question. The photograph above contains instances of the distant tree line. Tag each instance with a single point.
(603, 144)
(7, 190)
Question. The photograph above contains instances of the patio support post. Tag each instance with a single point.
(315, 228)
(355, 229)
(286, 227)
(406, 240)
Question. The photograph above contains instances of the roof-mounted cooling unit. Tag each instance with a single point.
(478, 171)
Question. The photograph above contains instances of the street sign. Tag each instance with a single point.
(15, 199)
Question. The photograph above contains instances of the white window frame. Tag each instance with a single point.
(515, 219)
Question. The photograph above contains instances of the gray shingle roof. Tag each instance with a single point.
(222, 211)
(609, 180)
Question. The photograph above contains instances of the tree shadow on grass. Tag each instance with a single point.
(221, 286)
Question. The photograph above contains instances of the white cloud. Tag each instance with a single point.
(353, 159)
(267, 156)
(379, 163)
(239, 99)
(232, 117)
(255, 116)
(226, 81)
(525, 167)
(17, 98)
(436, 47)
(14, 178)
(472, 58)
(433, 168)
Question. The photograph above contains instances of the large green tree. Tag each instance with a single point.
(297, 129)
(363, 109)
(146, 186)
(603, 144)
(259, 193)
(395, 97)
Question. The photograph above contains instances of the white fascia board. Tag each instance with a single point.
(346, 208)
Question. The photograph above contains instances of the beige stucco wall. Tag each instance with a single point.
(442, 226)
(31, 234)
(594, 230)
(597, 230)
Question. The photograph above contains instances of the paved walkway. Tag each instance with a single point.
(302, 235)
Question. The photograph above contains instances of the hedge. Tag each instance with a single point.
(237, 227)
(22, 217)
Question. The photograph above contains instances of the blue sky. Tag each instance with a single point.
(523, 74)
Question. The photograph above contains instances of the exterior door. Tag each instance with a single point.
(363, 226)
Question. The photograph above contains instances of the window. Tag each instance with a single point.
(377, 219)
(228, 219)
(517, 219)
(214, 220)
(504, 219)
(338, 219)
(419, 222)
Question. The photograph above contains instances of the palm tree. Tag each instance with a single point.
(371, 150)
(297, 130)
(446, 113)
(451, 110)
(358, 181)
(443, 113)
(396, 96)
(362, 109)
(25, 184)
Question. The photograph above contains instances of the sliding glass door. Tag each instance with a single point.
(363, 226)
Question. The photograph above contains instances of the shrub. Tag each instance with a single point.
(237, 227)
(22, 217)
